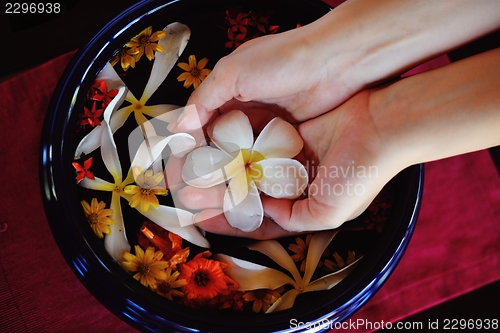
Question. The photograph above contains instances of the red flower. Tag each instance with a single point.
(235, 40)
(99, 92)
(239, 23)
(83, 171)
(91, 117)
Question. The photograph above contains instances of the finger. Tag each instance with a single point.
(173, 173)
(213, 220)
(202, 198)
(302, 215)
(218, 88)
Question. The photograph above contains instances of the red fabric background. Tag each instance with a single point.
(455, 248)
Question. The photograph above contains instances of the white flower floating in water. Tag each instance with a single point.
(251, 276)
(173, 44)
(249, 166)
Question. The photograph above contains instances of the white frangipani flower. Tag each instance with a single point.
(251, 276)
(173, 44)
(169, 218)
(249, 166)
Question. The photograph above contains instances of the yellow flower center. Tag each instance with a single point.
(195, 72)
(146, 191)
(144, 269)
(93, 218)
(118, 189)
(250, 158)
(138, 106)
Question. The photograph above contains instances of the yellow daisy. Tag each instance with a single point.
(147, 188)
(195, 73)
(126, 57)
(262, 298)
(145, 42)
(167, 288)
(98, 217)
(147, 266)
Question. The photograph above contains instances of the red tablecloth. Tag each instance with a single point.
(455, 248)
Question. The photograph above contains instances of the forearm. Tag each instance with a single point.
(445, 112)
(379, 39)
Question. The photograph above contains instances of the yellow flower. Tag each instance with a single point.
(300, 250)
(144, 193)
(126, 57)
(195, 73)
(98, 217)
(262, 298)
(147, 266)
(145, 42)
(167, 288)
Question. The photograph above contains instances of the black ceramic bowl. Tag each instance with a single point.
(112, 285)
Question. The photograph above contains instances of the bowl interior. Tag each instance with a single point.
(99, 272)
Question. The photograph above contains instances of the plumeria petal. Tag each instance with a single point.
(329, 281)
(173, 44)
(317, 246)
(242, 205)
(179, 222)
(278, 139)
(93, 140)
(251, 276)
(116, 243)
(284, 302)
(163, 111)
(110, 154)
(111, 77)
(277, 252)
(97, 184)
(206, 167)
(149, 151)
(119, 117)
(282, 178)
(232, 131)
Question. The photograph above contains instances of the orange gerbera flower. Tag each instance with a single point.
(195, 73)
(205, 278)
(147, 265)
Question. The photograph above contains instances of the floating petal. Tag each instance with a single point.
(110, 154)
(232, 131)
(116, 243)
(206, 167)
(92, 141)
(179, 222)
(111, 77)
(251, 276)
(163, 112)
(242, 205)
(329, 281)
(284, 302)
(97, 184)
(173, 44)
(277, 252)
(282, 178)
(317, 246)
(278, 139)
(149, 151)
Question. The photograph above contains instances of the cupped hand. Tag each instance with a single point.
(287, 69)
(348, 162)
